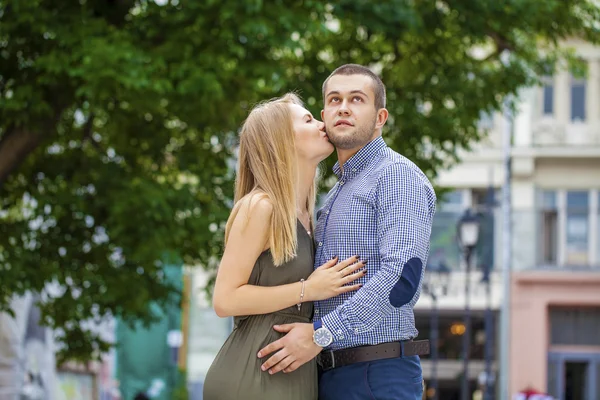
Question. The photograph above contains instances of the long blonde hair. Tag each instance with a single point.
(267, 167)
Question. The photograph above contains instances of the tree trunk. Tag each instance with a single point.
(15, 146)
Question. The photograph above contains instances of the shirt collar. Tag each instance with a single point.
(358, 161)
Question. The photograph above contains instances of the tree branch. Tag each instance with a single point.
(15, 146)
(502, 43)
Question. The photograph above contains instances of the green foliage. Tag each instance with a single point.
(117, 120)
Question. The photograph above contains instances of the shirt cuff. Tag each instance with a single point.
(335, 323)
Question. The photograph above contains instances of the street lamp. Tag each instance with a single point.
(437, 279)
(468, 236)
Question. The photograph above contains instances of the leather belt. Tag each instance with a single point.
(333, 359)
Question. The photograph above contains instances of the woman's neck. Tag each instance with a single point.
(306, 178)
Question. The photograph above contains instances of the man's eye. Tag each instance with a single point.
(357, 98)
(335, 99)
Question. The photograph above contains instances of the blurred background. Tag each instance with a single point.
(118, 124)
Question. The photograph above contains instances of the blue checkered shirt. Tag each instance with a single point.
(381, 209)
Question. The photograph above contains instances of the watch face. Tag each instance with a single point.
(323, 337)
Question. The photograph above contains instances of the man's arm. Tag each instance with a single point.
(405, 206)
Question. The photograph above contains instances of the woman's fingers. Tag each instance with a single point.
(329, 263)
(345, 289)
(352, 277)
(346, 262)
(354, 267)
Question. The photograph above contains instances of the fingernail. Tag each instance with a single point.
(334, 257)
(259, 355)
(263, 368)
(270, 372)
(357, 257)
(364, 262)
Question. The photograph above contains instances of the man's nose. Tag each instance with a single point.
(344, 110)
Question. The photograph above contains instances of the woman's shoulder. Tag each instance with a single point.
(256, 204)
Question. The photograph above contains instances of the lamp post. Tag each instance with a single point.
(487, 263)
(468, 235)
(435, 285)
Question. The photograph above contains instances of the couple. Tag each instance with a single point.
(323, 311)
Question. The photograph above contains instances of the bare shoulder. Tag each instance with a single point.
(254, 211)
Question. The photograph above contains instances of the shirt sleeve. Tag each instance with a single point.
(405, 204)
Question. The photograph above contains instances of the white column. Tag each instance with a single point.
(562, 97)
(592, 91)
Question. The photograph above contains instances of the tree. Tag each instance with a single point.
(118, 118)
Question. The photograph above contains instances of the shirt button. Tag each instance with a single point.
(341, 182)
(327, 212)
(320, 244)
(356, 330)
(342, 337)
(353, 169)
(316, 312)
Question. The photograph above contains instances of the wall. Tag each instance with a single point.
(532, 294)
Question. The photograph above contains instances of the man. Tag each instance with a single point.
(381, 209)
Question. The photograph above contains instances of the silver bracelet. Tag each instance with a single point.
(301, 294)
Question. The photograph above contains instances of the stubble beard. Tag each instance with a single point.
(351, 140)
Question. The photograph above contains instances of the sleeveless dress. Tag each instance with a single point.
(235, 373)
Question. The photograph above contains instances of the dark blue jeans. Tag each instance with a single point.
(391, 379)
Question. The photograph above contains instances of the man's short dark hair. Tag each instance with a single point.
(355, 69)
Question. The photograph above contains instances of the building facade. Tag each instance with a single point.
(555, 285)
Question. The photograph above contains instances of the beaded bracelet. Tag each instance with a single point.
(301, 294)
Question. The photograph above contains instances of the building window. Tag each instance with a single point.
(577, 231)
(568, 223)
(549, 228)
(575, 326)
(548, 99)
(577, 100)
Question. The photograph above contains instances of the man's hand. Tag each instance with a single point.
(292, 351)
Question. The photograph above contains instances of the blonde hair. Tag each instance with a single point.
(267, 167)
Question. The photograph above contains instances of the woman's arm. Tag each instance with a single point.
(248, 238)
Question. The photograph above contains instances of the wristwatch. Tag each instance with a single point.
(322, 336)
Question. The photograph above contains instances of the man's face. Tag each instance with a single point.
(349, 111)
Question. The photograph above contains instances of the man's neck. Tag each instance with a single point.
(346, 154)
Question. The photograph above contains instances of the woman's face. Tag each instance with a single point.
(312, 144)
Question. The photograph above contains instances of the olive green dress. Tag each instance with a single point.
(235, 373)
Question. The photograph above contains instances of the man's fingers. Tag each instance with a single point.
(292, 367)
(283, 328)
(282, 365)
(274, 360)
(270, 348)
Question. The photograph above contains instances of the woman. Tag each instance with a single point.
(266, 274)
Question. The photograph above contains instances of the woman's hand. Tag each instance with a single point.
(331, 278)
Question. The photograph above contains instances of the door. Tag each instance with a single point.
(573, 376)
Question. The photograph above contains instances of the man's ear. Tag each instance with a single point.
(322, 114)
(382, 116)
